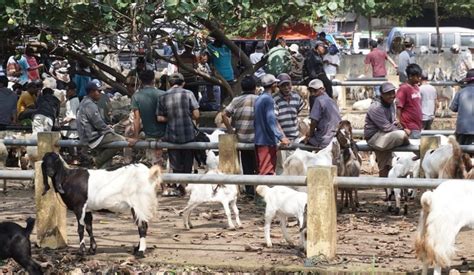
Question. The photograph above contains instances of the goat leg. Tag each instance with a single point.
(231, 225)
(284, 230)
(236, 213)
(88, 222)
(139, 251)
(80, 232)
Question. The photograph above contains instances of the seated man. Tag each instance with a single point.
(381, 130)
(324, 116)
(92, 128)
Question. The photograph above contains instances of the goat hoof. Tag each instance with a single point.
(140, 255)
(405, 210)
(92, 251)
(396, 211)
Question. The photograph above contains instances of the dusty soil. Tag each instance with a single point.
(368, 240)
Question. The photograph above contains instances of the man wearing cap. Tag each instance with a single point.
(143, 105)
(267, 132)
(409, 113)
(93, 130)
(462, 104)
(178, 108)
(314, 68)
(297, 62)
(406, 58)
(381, 130)
(376, 60)
(288, 104)
(324, 116)
(462, 64)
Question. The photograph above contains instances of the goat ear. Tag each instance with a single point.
(45, 177)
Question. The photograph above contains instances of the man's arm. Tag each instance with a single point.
(225, 119)
(195, 114)
(455, 103)
(366, 70)
(96, 121)
(392, 62)
(136, 123)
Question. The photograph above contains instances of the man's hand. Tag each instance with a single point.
(285, 141)
(407, 131)
(131, 141)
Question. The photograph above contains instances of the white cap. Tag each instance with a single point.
(455, 48)
(316, 84)
(268, 80)
(294, 48)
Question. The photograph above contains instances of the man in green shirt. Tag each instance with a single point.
(144, 104)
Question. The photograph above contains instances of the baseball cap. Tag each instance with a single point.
(316, 84)
(408, 40)
(176, 76)
(283, 78)
(455, 48)
(268, 80)
(294, 48)
(93, 85)
(387, 87)
(469, 76)
(319, 43)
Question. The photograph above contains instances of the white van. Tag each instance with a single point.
(360, 41)
(426, 36)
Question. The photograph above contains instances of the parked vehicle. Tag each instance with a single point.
(340, 41)
(426, 36)
(360, 41)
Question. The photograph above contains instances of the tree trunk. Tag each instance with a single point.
(438, 39)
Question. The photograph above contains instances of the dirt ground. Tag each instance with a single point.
(369, 240)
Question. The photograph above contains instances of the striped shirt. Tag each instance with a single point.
(287, 113)
(241, 109)
(177, 105)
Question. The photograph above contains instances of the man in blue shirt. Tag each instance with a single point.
(267, 132)
(462, 104)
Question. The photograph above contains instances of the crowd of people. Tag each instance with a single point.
(267, 117)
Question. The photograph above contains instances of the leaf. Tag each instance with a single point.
(300, 3)
(171, 3)
(332, 6)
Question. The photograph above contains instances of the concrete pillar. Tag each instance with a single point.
(228, 154)
(427, 143)
(322, 214)
(50, 209)
(343, 96)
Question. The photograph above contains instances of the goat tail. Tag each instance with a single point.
(30, 224)
(155, 174)
(262, 190)
(457, 167)
(423, 249)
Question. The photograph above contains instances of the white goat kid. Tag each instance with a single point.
(446, 211)
(202, 193)
(283, 202)
(403, 166)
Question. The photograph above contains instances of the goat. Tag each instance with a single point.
(201, 193)
(362, 105)
(283, 202)
(15, 243)
(454, 167)
(351, 162)
(129, 188)
(402, 167)
(446, 211)
(200, 155)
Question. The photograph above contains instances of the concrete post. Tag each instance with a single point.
(322, 214)
(343, 96)
(427, 143)
(228, 154)
(50, 209)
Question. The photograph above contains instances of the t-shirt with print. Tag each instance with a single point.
(409, 101)
(145, 101)
(241, 109)
(33, 74)
(376, 58)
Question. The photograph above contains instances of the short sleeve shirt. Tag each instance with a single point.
(409, 101)
(146, 101)
(428, 101)
(326, 113)
(241, 109)
(287, 113)
(376, 58)
(177, 105)
(24, 69)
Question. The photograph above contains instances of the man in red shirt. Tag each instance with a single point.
(376, 59)
(409, 112)
(33, 72)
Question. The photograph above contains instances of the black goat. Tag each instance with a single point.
(200, 155)
(129, 188)
(15, 244)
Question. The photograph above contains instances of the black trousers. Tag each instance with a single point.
(249, 167)
(181, 161)
(464, 139)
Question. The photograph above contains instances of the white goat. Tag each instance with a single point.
(362, 105)
(283, 202)
(435, 159)
(446, 211)
(403, 167)
(202, 193)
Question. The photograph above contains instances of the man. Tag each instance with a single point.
(376, 60)
(463, 62)
(47, 111)
(409, 113)
(297, 63)
(14, 71)
(7, 103)
(33, 66)
(93, 130)
(314, 68)
(406, 58)
(26, 104)
(428, 101)
(324, 116)
(381, 130)
(178, 108)
(255, 57)
(331, 61)
(288, 105)
(143, 105)
(279, 60)
(462, 104)
(241, 110)
(267, 132)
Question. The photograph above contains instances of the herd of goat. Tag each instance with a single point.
(132, 188)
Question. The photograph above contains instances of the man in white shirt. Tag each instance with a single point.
(428, 102)
(256, 57)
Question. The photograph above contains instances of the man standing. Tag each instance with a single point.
(7, 103)
(406, 58)
(288, 105)
(241, 110)
(381, 131)
(267, 132)
(144, 103)
(463, 62)
(314, 68)
(255, 57)
(93, 130)
(297, 63)
(428, 102)
(462, 103)
(178, 108)
(324, 116)
(47, 111)
(409, 113)
(376, 59)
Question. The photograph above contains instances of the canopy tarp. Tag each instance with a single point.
(297, 31)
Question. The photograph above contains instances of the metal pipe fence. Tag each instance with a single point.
(344, 182)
